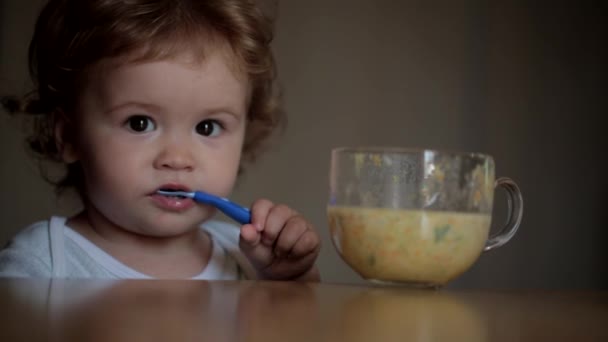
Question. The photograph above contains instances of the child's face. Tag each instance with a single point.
(162, 124)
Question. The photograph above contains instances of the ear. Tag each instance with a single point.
(64, 138)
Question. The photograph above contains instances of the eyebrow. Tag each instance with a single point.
(227, 110)
(147, 106)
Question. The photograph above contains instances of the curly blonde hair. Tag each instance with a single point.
(71, 36)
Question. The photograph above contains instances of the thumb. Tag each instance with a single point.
(249, 236)
(250, 244)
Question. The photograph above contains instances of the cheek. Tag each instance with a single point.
(109, 166)
(225, 171)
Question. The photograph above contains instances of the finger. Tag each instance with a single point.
(275, 221)
(250, 235)
(290, 268)
(308, 243)
(259, 211)
(291, 233)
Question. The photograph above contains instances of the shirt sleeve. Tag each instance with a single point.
(17, 263)
(27, 254)
(228, 236)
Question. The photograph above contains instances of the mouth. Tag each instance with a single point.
(167, 189)
(172, 200)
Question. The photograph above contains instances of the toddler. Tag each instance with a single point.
(137, 96)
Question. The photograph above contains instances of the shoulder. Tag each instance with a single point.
(34, 237)
(224, 231)
(28, 253)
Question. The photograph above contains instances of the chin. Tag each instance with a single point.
(175, 226)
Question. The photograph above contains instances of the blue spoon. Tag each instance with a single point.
(236, 212)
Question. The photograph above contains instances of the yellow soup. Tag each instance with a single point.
(416, 246)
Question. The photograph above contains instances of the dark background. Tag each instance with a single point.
(524, 81)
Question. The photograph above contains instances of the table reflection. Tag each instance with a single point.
(138, 311)
(155, 310)
(385, 314)
(161, 310)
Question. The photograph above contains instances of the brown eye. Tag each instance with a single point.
(140, 123)
(209, 128)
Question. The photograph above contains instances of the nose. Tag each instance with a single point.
(175, 154)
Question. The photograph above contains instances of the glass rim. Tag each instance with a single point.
(405, 150)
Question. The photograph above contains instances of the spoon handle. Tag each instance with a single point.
(236, 212)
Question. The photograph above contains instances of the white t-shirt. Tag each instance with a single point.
(50, 249)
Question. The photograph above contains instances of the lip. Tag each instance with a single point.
(173, 186)
(172, 203)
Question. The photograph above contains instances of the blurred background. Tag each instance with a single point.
(524, 81)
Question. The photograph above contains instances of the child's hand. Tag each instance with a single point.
(280, 243)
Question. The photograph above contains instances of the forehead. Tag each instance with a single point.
(187, 50)
(182, 81)
(146, 70)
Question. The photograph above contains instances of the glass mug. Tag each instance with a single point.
(415, 216)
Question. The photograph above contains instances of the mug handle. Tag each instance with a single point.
(515, 212)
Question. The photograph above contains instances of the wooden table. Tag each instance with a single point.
(157, 310)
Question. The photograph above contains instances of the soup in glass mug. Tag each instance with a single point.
(415, 217)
